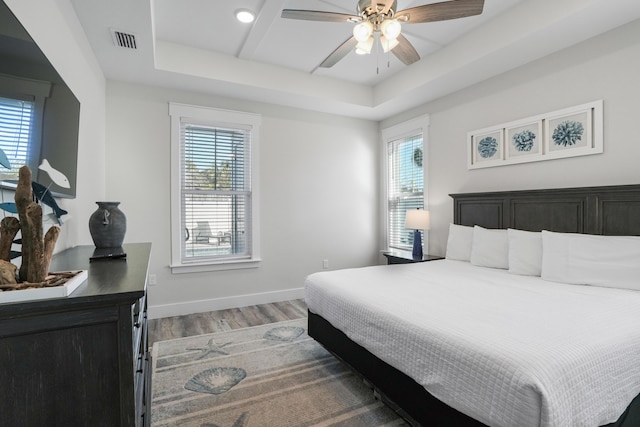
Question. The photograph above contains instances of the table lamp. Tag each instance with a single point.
(417, 219)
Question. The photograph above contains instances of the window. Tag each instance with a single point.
(16, 123)
(21, 114)
(214, 221)
(405, 147)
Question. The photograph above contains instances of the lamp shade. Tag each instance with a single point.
(364, 48)
(387, 44)
(390, 28)
(417, 219)
(363, 31)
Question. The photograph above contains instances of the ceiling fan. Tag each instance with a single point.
(380, 19)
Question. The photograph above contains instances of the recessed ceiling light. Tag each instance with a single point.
(245, 15)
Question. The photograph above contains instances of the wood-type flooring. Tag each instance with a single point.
(224, 320)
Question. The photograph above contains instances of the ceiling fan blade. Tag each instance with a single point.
(339, 53)
(405, 51)
(442, 11)
(316, 15)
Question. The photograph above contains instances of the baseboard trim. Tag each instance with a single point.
(201, 306)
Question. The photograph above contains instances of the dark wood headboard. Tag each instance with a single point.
(609, 210)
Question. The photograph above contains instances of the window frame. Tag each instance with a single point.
(35, 92)
(410, 128)
(212, 117)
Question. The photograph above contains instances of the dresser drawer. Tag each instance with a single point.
(141, 358)
(139, 331)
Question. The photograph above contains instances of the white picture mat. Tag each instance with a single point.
(498, 135)
(536, 143)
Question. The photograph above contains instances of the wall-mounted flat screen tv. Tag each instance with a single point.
(39, 115)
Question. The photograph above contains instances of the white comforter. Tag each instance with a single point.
(504, 349)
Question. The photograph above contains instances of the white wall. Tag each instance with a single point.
(318, 188)
(606, 67)
(320, 173)
(55, 28)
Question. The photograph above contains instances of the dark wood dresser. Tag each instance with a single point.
(81, 360)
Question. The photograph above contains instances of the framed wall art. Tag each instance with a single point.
(574, 131)
(487, 147)
(524, 140)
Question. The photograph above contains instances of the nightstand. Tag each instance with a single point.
(404, 257)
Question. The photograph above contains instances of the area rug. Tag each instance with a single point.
(269, 376)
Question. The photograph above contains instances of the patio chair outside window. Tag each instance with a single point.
(203, 232)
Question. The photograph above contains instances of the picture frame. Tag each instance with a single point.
(570, 132)
(486, 148)
(524, 141)
(574, 132)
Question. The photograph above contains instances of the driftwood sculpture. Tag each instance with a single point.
(36, 248)
(9, 227)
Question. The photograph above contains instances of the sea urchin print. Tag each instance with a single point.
(523, 141)
(568, 133)
(487, 147)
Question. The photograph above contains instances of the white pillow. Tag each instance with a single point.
(610, 261)
(490, 248)
(525, 252)
(459, 242)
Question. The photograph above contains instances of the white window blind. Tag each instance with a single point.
(216, 192)
(405, 187)
(16, 124)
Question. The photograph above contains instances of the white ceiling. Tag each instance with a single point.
(198, 45)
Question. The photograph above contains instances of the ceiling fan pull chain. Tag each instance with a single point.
(377, 43)
(388, 55)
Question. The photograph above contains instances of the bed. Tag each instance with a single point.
(456, 392)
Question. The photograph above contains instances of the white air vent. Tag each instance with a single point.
(122, 39)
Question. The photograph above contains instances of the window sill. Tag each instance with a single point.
(215, 266)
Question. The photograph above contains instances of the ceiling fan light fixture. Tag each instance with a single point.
(245, 16)
(390, 28)
(381, 19)
(363, 31)
(387, 44)
(364, 48)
